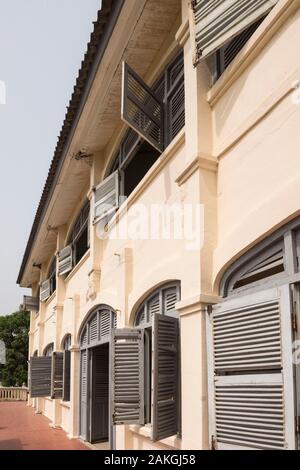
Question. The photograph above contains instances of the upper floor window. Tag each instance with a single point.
(155, 115)
(78, 242)
(48, 287)
(225, 55)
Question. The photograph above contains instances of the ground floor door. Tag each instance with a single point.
(99, 411)
(94, 394)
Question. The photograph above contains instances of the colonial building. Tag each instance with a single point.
(164, 254)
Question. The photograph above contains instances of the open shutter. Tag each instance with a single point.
(106, 198)
(66, 394)
(218, 21)
(65, 260)
(57, 375)
(32, 304)
(40, 376)
(83, 393)
(142, 108)
(165, 420)
(251, 379)
(45, 290)
(127, 378)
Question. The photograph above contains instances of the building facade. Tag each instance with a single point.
(164, 255)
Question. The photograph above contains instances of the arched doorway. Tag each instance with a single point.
(95, 340)
(253, 375)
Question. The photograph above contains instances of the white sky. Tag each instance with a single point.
(42, 43)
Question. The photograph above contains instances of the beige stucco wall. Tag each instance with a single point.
(239, 157)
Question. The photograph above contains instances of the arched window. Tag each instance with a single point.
(78, 242)
(48, 350)
(67, 342)
(98, 328)
(66, 389)
(35, 354)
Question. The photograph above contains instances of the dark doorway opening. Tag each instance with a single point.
(99, 383)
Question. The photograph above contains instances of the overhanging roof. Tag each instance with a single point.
(103, 28)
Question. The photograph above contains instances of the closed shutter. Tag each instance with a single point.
(251, 380)
(165, 419)
(40, 376)
(142, 109)
(176, 111)
(32, 304)
(45, 290)
(106, 197)
(65, 260)
(105, 323)
(57, 375)
(93, 329)
(66, 376)
(218, 21)
(127, 380)
(83, 393)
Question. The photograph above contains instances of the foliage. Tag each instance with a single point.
(14, 332)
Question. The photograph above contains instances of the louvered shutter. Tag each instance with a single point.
(45, 290)
(218, 21)
(127, 379)
(106, 197)
(40, 376)
(65, 260)
(251, 380)
(93, 329)
(32, 304)
(165, 420)
(66, 376)
(105, 323)
(57, 375)
(83, 393)
(142, 108)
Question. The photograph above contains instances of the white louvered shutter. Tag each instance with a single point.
(106, 197)
(45, 290)
(218, 21)
(127, 376)
(251, 373)
(165, 419)
(65, 260)
(142, 108)
(40, 376)
(57, 375)
(32, 304)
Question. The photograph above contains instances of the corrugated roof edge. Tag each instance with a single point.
(103, 28)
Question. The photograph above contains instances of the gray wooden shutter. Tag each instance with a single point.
(66, 393)
(65, 260)
(40, 376)
(218, 21)
(32, 304)
(57, 375)
(142, 108)
(83, 393)
(165, 420)
(106, 197)
(45, 290)
(127, 379)
(251, 377)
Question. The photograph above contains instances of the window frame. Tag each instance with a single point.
(83, 221)
(52, 277)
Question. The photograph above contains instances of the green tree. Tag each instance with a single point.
(14, 332)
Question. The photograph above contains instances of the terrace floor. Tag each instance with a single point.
(22, 429)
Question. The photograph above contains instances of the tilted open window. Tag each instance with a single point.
(48, 287)
(219, 21)
(149, 367)
(156, 113)
(31, 304)
(78, 242)
(106, 197)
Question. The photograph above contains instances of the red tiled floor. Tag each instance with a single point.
(22, 429)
